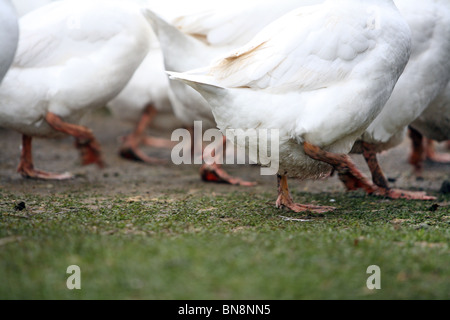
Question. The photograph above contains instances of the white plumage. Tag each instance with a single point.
(73, 56)
(425, 76)
(9, 36)
(319, 74)
(147, 88)
(434, 122)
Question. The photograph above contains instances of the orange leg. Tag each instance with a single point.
(158, 142)
(284, 199)
(434, 156)
(343, 164)
(417, 156)
(215, 173)
(130, 145)
(381, 182)
(193, 143)
(26, 167)
(84, 139)
(354, 179)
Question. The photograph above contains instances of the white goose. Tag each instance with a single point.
(144, 95)
(67, 64)
(193, 40)
(9, 36)
(434, 125)
(320, 75)
(425, 76)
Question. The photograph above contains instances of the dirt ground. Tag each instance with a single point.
(123, 177)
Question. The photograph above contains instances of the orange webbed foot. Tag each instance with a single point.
(26, 167)
(284, 200)
(403, 194)
(215, 173)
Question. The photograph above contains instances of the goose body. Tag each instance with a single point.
(328, 63)
(9, 36)
(68, 64)
(423, 80)
(425, 76)
(320, 75)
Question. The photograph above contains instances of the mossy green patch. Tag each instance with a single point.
(225, 246)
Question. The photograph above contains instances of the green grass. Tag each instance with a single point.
(234, 246)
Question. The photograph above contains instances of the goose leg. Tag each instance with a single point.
(26, 167)
(130, 144)
(158, 142)
(417, 156)
(379, 179)
(343, 164)
(195, 152)
(434, 156)
(84, 139)
(215, 173)
(284, 199)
